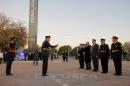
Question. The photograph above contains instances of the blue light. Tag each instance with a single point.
(21, 54)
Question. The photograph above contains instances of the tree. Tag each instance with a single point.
(65, 48)
(126, 48)
(10, 28)
(74, 51)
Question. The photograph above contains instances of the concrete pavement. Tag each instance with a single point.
(62, 74)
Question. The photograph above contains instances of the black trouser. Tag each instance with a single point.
(10, 58)
(104, 63)
(76, 57)
(45, 63)
(88, 62)
(65, 59)
(118, 64)
(51, 57)
(95, 63)
(81, 61)
(35, 60)
(25, 58)
(5, 59)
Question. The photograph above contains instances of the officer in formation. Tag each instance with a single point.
(10, 55)
(86, 53)
(116, 54)
(104, 55)
(95, 55)
(87, 50)
(45, 54)
(81, 56)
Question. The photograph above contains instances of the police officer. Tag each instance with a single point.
(104, 55)
(87, 59)
(81, 56)
(45, 54)
(116, 54)
(95, 55)
(10, 55)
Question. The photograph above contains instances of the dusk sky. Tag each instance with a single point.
(71, 22)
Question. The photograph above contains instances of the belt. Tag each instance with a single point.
(115, 51)
(45, 49)
(102, 51)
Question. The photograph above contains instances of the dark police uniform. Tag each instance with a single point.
(81, 57)
(87, 59)
(65, 56)
(116, 54)
(104, 55)
(45, 54)
(10, 56)
(95, 56)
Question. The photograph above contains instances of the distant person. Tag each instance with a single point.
(76, 54)
(25, 55)
(52, 56)
(36, 56)
(29, 56)
(40, 55)
(57, 56)
(95, 55)
(32, 55)
(116, 54)
(5, 57)
(65, 56)
(104, 55)
(45, 54)
(10, 56)
(1, 56)
(87, 59)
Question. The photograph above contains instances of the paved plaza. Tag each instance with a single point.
(62, 74)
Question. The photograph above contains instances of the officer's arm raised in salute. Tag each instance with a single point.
(52, 46)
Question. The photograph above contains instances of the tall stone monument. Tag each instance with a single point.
(33, 24)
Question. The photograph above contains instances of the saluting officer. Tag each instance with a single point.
(45, 54)
(10, 55)
(104, 55)
(116, 54)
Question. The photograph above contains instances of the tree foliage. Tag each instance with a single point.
(126, 46)
(10, 28)
(74, 51)
(66, 48)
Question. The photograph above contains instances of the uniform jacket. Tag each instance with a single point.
(117, 47)
(104, 50)
(95, 50)
(46, 46)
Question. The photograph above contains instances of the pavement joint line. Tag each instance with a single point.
(60, 82)
(56, 61)
(57, 80)
(116, 77)
(64, 84)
